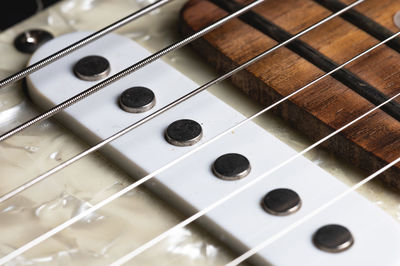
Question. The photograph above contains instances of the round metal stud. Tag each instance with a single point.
(184, 132)
(137, 100)
(231, 166)
(92, 68)
(333, 238)
(29, 41)
(281, 202)
(396, 19)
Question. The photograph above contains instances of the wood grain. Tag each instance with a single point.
(326, 106)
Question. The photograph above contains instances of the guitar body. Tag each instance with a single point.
(336, 100)
(133, 219)
(137, 217)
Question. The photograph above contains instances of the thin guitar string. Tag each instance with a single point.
(117, 194)
(165, 108)
(209, 208)
(129, 70)
(307, 217)
(125, 190)
(286, 230)
(81, 43)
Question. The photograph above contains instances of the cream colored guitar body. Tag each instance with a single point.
(103, 237)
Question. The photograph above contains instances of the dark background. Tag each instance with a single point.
(13, 11)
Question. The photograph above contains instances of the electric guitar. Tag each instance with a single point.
(225, 183)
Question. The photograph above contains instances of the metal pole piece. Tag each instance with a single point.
(126, 72)
(75, 46)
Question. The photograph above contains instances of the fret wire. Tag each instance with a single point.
(214, 205)
(81, 43)
(174, 103)
(127, 71)
(71, 221)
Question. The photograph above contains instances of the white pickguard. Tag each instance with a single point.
(191, 185)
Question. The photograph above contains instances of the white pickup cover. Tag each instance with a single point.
(191, 185)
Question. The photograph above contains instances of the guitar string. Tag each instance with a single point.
(129, 70)
(355, 188)
(229, 196)
(281, 233)
(307, 217)
(125, 190)
(167, 107)
(81, 43)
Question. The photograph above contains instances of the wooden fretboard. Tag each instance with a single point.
(331, 103)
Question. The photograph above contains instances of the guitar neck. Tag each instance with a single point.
(328, 105)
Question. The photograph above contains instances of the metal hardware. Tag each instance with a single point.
(231, 166)
(281, 202)
(92, 68)
(184, 132)
(29, 41)
(137, 100)
(333, 238)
